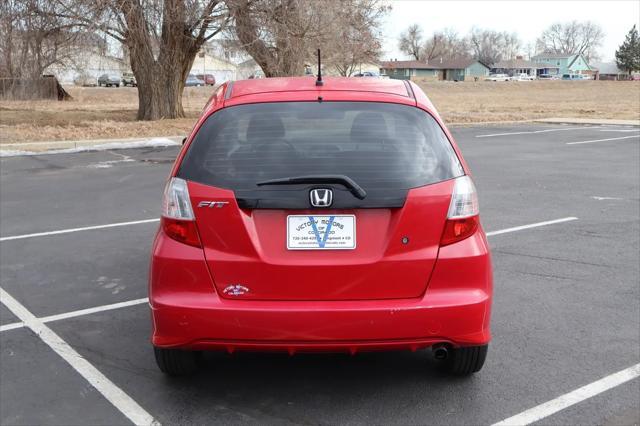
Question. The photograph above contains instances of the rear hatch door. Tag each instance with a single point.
(273, 241)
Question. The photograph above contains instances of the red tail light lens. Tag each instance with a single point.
(458, 229)
(184, 231)
(462, 219)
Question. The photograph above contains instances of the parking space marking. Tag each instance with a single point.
(603, 140)
(79, 313)
(536, 131)
(116, 396)
(84, 228)
(532, 225)
(11, 326)
(94, 310)
(620, 130)
(574, 397)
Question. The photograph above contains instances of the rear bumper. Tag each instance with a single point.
(454, 317)
(187, 313)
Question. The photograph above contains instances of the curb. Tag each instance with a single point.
(70, 147)
(593, 121)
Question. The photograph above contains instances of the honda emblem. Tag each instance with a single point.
(321, 197)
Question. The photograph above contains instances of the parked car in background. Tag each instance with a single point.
(522, 77)
(497, 77)
(192, 80)
(260, 74)
(367, 74)
(128, 79)
(209, 79)
(256, 248)
(109, 80)
(576, 77)
(635, 77)
(85, 80)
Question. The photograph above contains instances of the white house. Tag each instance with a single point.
(221, 69)
(87, 66)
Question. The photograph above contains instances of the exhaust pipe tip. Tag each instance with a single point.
(440, 353)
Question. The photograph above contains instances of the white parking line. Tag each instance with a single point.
(532, 225)
(85, 228)
(11, 326)
(535, 131)
(567, 400)
(123, 402)
(90, 311)
(604, 140)
(79, 313)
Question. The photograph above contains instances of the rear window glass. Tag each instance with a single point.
(380, 146)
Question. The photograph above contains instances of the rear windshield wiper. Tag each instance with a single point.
(355, 189)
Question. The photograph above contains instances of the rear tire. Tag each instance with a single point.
(176, 362)
(467, 360)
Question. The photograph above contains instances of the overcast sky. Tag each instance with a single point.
(527, 18)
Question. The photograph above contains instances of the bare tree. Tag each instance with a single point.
(410, 42)
(278, 34)
(490, 47)
(355, 38)
(572, 38)
(34, 38)
(446, 44)
(162, 38)
(281, 35)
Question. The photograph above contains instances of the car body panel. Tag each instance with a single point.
(330, 84)
(251, 249)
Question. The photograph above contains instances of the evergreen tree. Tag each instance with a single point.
(628, 54)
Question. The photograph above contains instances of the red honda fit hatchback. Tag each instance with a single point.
(300, 217)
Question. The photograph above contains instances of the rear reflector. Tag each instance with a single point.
(183, 231)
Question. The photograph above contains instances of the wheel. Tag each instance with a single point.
(176, 362)
(466, 360)
(117, 85)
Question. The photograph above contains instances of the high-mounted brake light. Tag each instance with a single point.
(462, 218)
(178, 221)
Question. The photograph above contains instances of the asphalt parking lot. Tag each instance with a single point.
(566, 308)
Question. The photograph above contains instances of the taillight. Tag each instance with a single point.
(462, 218)
(178, 221)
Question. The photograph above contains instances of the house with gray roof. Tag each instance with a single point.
(436, 69)
(517, 66)
(552, 63)
(608, 71)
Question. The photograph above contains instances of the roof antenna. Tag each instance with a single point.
(319, 81)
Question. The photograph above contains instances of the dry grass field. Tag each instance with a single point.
(102, 113)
